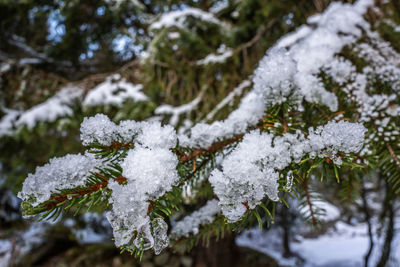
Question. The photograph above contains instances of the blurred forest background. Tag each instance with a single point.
(61, 61)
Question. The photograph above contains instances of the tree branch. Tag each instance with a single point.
(393, 154)
(56, 199)
(308, 198)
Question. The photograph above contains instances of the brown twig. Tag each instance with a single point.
(393, 154)
(56, 199)
(257, 37)
(211, 149)
(308, 198)
(117, 145)
(285, 125)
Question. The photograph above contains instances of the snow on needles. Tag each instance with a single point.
(100, 129)
(223, 53)
(60, 173)
(251, 171)
(178, 18)
(50, 110)
(290, 71)
(150, 169)
(114, 91)
(191, 223)
(177, 111)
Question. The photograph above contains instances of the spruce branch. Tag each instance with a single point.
(210, 150)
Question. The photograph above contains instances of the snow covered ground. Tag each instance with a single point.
(342, 245)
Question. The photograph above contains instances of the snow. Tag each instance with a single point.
(219, 6)
(223, 53)
(292, 73)
(178, 18)
(340, 70)
(22, 244)
(96, 230)
(342, 245)
(176, 112)
(114, 91)
(244, 179)
(248, 114)
(4, 67)
(60, 173)
(191, 223)
(50, 110)
(292, 38)
(328, 211)
(334, 137)
(98, 129)
(153, 135)
(228, 99)
(8, 120)
(250, 171)
(102, 130)
(150, 169)
(157, 165)
(289, 72)
(55, 107)
(5, 252)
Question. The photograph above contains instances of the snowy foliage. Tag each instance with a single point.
(114, 91)
(57, 106)
(150, 169)
(223, 53)
(179, 18)
(102, 130)
(252, 169)
(176, 112)
(289, 72)
(60, 173)
(191, 223)
(237, 91)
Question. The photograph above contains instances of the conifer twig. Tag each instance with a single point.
(308, 198)
(393, 154)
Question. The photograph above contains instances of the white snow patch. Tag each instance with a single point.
(223, 53)
(176, 112)
(191, 223)
(60, 173)
(114, 91)
(178, 18)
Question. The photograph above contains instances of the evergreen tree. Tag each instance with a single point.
(266, 119)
